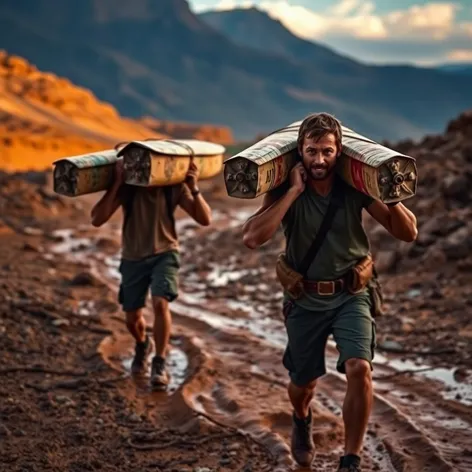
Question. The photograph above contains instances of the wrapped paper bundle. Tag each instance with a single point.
(371, 168)
(166, 162)
(87, 173)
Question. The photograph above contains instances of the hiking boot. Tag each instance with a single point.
(302, 447)
(159, 375)
(141, 353)
(350, 463)
(351, 468)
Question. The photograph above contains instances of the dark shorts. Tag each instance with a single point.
(351, 325)
(159, 273)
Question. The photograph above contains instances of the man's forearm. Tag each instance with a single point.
(403, 223)
(202, 210)
(106, 206)
(262, 227)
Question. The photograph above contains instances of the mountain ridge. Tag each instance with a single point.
(166, 62)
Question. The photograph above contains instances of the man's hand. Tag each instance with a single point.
(298, 178)
(191, 178)
(119, 173)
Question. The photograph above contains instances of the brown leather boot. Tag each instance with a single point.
(159, 376)
(350, 463)
(303, 447)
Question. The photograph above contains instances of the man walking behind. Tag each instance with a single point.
(327, 291)
(150, 257)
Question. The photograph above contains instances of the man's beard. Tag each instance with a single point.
(320, 172)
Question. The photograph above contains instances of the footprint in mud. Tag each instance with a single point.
(177, 364)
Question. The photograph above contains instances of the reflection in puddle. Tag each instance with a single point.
(177, 365)
(454, 390)
(69, 242)
(263, 328)
(86, 308)
(447, 423)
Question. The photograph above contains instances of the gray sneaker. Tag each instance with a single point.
(141, 353)
(302, 447)
(159, 375)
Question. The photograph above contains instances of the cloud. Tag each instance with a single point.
(433, 20)
(357, 18)
(426, 33)
(460, 55)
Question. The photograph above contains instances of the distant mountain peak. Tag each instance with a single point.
(256, 28)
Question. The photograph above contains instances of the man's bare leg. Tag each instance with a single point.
(302, 446)
(357, 406)
(162, 325)
(301, 397)
(162, 329)
(136, 325)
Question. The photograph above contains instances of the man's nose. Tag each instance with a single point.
(318, 158)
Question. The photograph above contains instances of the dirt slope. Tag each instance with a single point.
(43, 117)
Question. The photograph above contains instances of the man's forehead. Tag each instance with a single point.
(317, 141)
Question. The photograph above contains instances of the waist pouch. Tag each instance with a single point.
(362, 275)
(290, 279)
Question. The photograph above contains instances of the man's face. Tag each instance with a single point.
(319, 156)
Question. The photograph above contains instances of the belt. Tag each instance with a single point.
(324, 287)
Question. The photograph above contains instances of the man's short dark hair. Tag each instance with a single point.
(318, 125)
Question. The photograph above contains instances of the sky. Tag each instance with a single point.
(374, 31)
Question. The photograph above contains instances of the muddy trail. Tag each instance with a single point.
(225, 363)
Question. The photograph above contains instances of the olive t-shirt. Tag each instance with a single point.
(148, 225)
(345, 244)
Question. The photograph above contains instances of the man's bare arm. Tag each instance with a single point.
(261, 226)
(109, 203)
(197, 208)
(398, 220)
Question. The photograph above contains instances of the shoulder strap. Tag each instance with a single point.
(334, 203)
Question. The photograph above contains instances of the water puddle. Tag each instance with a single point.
(258, 324)
(177, 365)
(454, 390)
(69, 242)
(86, 308)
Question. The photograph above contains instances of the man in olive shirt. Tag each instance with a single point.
(326, 306)
(150, 257)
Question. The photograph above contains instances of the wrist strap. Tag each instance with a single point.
(195, 192)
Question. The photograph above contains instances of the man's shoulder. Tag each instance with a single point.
(279, 191)
(355, 197)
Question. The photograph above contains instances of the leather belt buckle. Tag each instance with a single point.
(326, 288)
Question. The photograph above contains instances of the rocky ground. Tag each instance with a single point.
(67, 401)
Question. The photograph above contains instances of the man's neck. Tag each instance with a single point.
(321, 187)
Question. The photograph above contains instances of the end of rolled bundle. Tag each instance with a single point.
(137, 166)
(65, 178)
(241, 178)
(84, 174)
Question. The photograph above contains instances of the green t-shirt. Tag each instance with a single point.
(345, 244)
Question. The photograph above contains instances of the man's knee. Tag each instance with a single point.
(160, 305)
(132, 317)
(307, 387)
(358, 370)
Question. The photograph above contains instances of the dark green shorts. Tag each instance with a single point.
(160, 273)
(351, 325)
